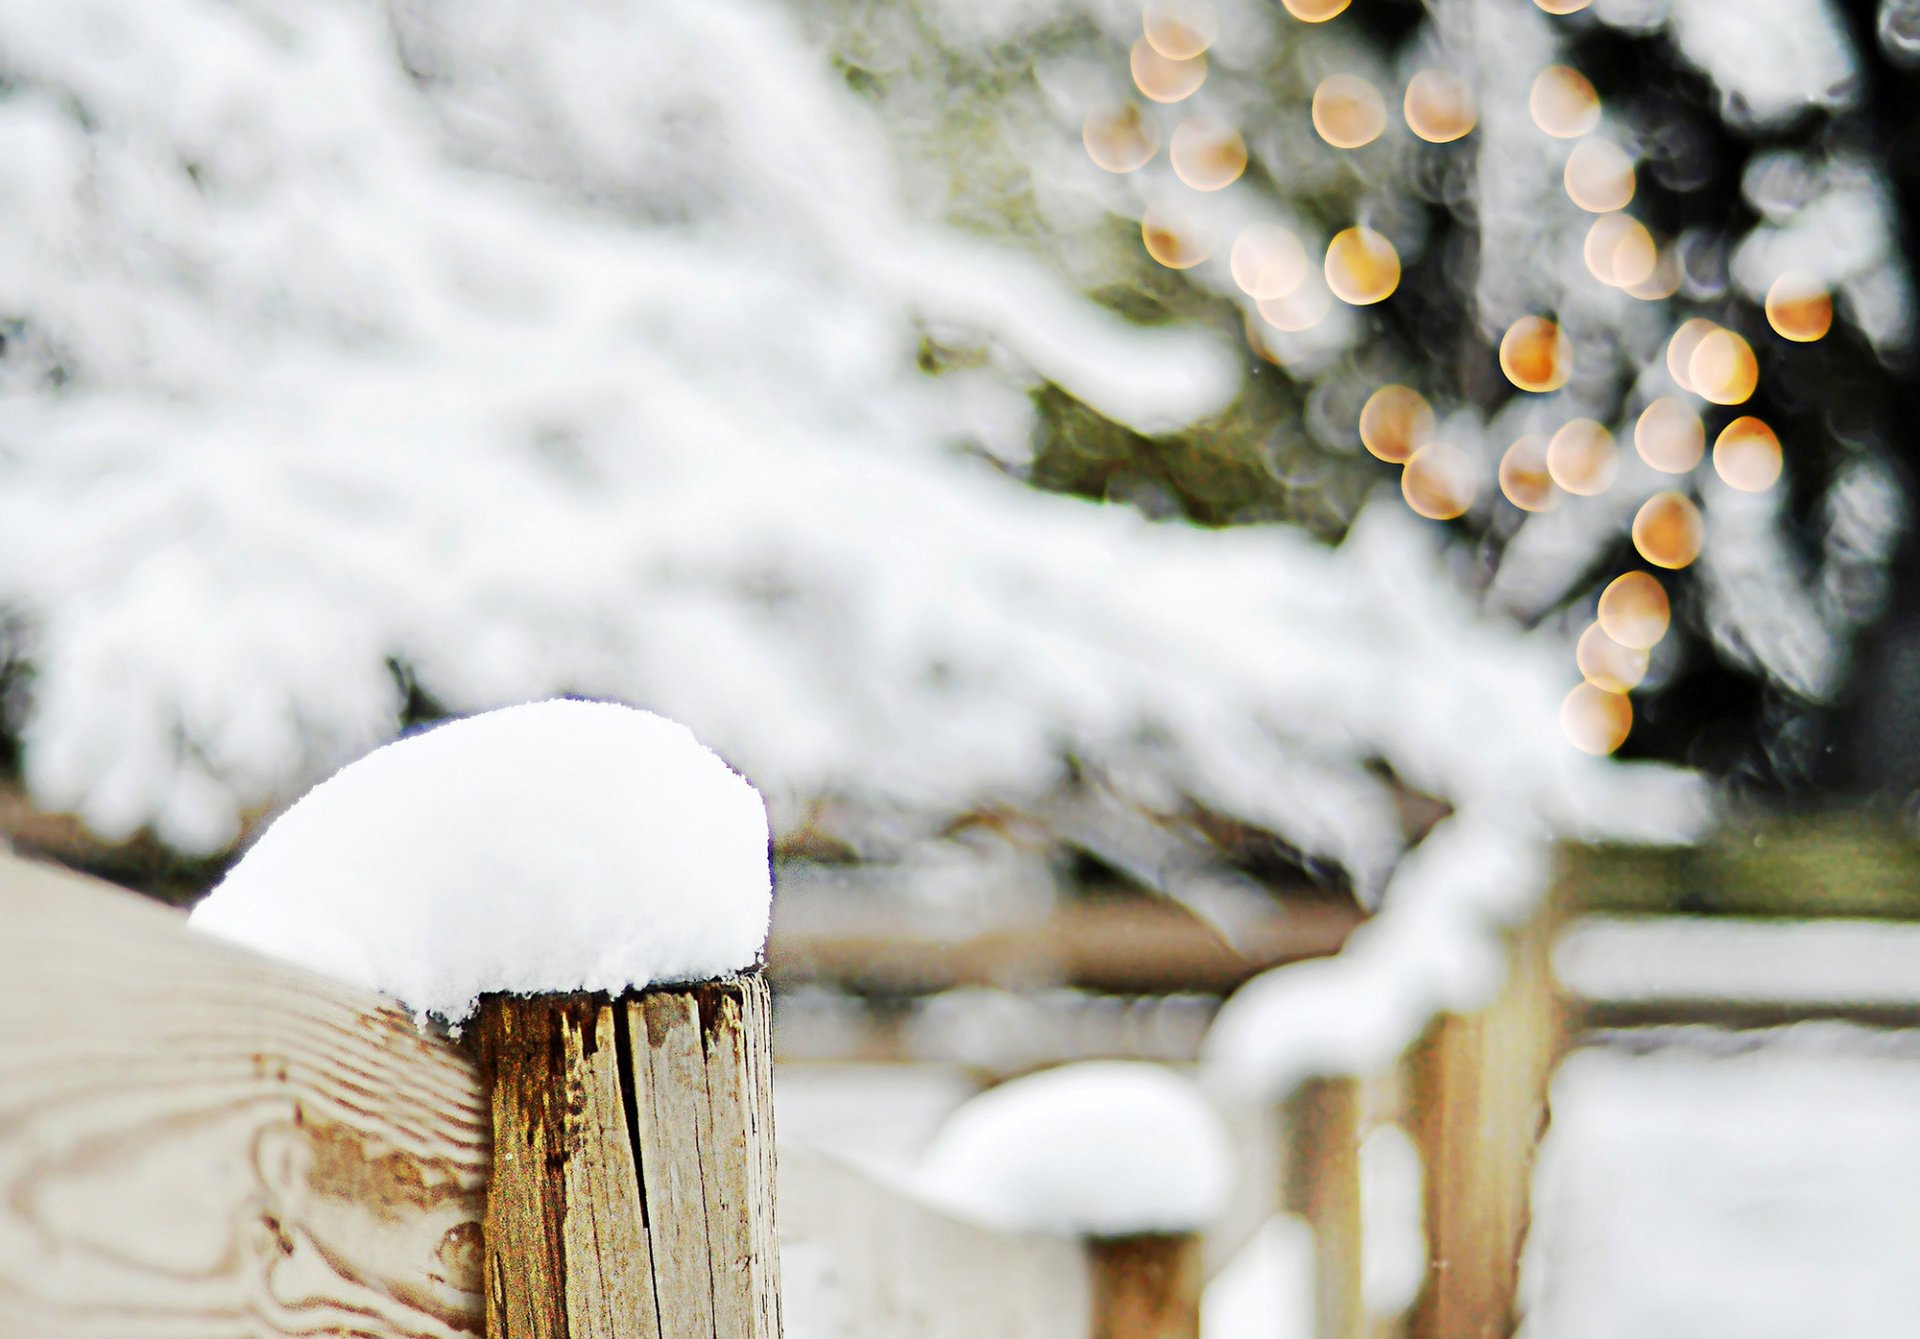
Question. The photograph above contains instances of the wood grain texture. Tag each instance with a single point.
(195, 1142)
(1147, 1287)
(863, 1261)
(632, 1182)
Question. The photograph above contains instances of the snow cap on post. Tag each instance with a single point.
(1100, 1149)
(553, 847)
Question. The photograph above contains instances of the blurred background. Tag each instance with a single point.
(1320, 506)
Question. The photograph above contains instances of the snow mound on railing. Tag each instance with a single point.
(553, 847)
(1104, 1148)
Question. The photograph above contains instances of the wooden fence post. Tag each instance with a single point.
(1478, 1088)
(633, 1175)
(1147, 1286)
(1320, 1181)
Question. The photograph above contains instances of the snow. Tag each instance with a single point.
(1766, 1187)
(1434, 946)
(550, 847)
(1729, 958)
(1105, 1148)
(1266, 1290)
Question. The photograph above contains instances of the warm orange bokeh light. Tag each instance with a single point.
(1563, 102)
(1680, 349)
(1620, 252)
(1599, 176)
(1606, 664)
(1119, 141)
(1165, 80)
(1634, 610)
(1177, 243)
(1747, 455)
(1348, 111)
(1799, 307)
(1362, 267)
(1207, 155)
(1667, 530)
(1563, 6)
(1723, 368)
(1180, 29)
(1302, 309)
(1669, 436)
(1315, 11)
(1535, 355)
(1524, 477)
(1596, 721)
(1268, 261)
(1396, 422)
(1439, 481)
(1438, 107)
(1582, 458)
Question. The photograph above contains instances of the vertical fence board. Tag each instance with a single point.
(1320, 1181)
(1478, 1086)
(1147, 1286)
(632, 1192)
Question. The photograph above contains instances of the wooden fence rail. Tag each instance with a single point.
(196, 1143)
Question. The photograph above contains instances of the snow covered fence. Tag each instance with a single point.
(197, 1140)
(1126, 1157)
(591, 886)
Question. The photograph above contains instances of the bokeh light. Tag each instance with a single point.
(1207, 155)
(1268, 261)
(1582, 458)
(1667, 530)
(1747, 455)
(1799, 307)
(1440, 481)
(1315, 11)
(1119, 141)
(1177, 242)
(1634, 610)
(1563, 102)
(1162, 79)
(1596, 721)
(1180, 29)
(1670, 436)
(1362, 267)
(1558, 7)
(1680, 349)
(1606, 664)
(1599, 176)
(1395, 422)
(1536, 355)
(1302, 309)
(1723, 368)
(1619, 250)
(1438, 107)
(1664, 282)
(1348, 111)
(1523, 475)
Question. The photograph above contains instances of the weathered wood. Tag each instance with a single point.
(195, 1142)
(1147, 1286)
(1478, 1093)
(1320, 1181)
(863, 1261)
(632, 1183)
